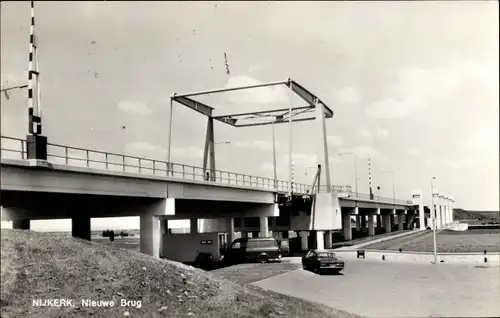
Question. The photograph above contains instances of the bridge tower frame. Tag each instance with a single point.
(258, 118)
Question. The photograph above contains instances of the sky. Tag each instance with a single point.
(413, 85)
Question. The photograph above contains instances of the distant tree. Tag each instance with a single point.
(112, 236)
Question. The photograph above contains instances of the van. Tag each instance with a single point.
(258, 249)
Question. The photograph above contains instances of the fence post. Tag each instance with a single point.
(87, 155)
(66, 155)
(183, 172)
(154, 167)
(106, 158)
(194, 174)
(123, 162)
(140, 170)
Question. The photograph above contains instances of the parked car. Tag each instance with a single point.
(258, 249)
(320, 260)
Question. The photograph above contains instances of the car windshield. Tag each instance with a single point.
(325, 254)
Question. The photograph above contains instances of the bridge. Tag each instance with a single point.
(42, 180)
(82, 183)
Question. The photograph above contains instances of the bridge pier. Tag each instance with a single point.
(264, 226)
(346, 226)
(401, 219)
(358, 223)
(328, 239)
(230, 230)
(150, 234)
(387, 222)
(371, 221)
(80, 227)
(304, 240)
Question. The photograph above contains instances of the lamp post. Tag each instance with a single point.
(355, 170)
(393, 190)
(433, 211)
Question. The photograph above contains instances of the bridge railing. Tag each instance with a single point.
(15, 148)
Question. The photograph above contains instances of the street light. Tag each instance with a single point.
(355, 170)
(393, 191)
(433, 211)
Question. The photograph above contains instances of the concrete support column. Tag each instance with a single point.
(80, 227)
(371, 225)
(328, 239)
(401, 218)
(150, 235)
(438, 211)
(303, 239)
(358, 223)
(163, 232)
(264, 227)
(387, 222)
(230, 231)
(364, 219)
(21, 224)
(320, 240)
(346, 226)
(193, 226)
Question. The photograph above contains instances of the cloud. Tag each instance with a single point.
(134, 107)
(363, 152)
(382, 133)
(335, 141)
(365, 133)
(415, 89)
(262, 95)
(413, 151)
(391, 108)
(348, 95)
(257, 144)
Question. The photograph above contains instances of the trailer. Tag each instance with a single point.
(200, 249)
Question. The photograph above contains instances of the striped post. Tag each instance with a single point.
(34, 113)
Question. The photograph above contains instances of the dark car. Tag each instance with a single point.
(258, 249)
(319, 260)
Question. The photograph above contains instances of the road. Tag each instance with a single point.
(384, 289)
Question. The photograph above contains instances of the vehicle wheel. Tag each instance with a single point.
(262, 259)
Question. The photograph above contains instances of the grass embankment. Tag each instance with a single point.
(472, 241)
(461, 214)
(54, 266)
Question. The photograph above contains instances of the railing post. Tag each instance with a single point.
(229, 178)
(66, 155)
(106, 159)
(183, 172)
(123, 162)
(87, 155)
(194, 174)
(154, 167)
(140, 170)
(22, 149)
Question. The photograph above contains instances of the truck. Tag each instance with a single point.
(204, 250)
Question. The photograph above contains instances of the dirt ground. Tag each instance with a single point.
(446, 241)
(52, 266)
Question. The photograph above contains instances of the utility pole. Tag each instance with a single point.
(433, 211)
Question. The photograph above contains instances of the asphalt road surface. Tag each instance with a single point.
(383, 289)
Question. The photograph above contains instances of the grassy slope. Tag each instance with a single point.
(461, 214)
(43, 265)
